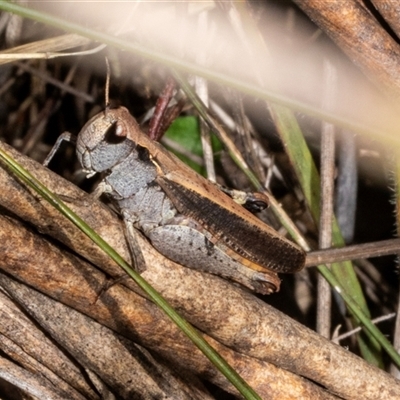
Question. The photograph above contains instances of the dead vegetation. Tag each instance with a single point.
(62, 336)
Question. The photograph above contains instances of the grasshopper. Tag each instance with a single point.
(186, 217)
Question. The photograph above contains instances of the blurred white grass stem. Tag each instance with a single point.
(201, 87)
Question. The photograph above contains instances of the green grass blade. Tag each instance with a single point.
(307, 174)
(374, 333)
(188, 329)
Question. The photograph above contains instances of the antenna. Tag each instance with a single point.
(107, 88)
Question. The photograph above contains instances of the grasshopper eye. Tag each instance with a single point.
(114, 134)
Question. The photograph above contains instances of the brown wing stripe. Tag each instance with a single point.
(244, 238)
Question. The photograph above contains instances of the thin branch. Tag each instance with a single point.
(354, 252)
(55, 82)
(382, 318)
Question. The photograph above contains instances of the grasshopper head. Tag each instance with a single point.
(102, 142)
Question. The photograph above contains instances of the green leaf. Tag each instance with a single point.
(185, 132)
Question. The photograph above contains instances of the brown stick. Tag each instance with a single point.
(127, 369)
(28, 381)
(156, 122)
(390, 11)
(365, 250)
(356, 31)
(26, 345)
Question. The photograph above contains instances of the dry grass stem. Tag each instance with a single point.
(324, 300)
(43, 48)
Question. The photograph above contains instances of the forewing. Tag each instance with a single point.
(240, 230)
